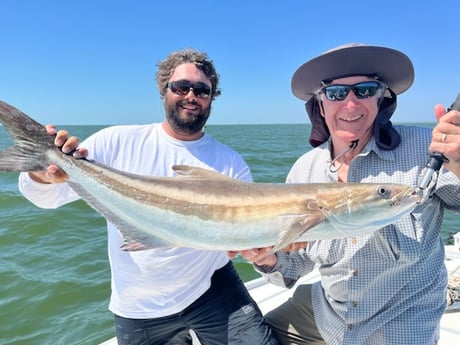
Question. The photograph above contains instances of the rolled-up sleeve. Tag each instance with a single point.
(48, 196)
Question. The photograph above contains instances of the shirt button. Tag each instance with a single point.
(354, 272)
(354, 240)
(354, 303)
(350, 326)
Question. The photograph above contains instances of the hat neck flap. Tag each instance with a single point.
(386, 137)
(319, 132)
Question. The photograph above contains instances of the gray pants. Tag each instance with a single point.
(293, 321)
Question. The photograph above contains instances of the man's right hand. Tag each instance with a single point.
(53, 174)
(258, 256)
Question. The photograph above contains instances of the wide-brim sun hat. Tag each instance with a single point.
(388, 65)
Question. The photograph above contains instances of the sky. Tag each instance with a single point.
(87, 62)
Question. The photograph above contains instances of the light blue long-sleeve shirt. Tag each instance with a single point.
(388, 287)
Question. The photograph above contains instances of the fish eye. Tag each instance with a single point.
(382, 191)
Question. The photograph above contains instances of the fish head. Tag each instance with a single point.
(360, 208)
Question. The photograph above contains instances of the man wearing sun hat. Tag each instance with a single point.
(388, 287)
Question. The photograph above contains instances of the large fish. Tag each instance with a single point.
(203, 209)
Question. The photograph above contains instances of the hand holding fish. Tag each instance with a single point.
(259, 256)
(446, 137)
(53, 173)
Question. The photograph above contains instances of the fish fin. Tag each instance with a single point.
(295, 247)
(312, 217)
(196, 173)
(31, 141)
(137, 240)
(134, 239)
(132, 246)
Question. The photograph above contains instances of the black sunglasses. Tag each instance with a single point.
(362, 90)
(183, 87)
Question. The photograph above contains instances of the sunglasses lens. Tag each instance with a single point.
(366, 90)
(182, 87)
(202, 90)
(362, 90)
(336, 92)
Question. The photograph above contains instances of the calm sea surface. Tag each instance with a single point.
(54, 274)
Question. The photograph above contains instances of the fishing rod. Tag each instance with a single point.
(436, 159)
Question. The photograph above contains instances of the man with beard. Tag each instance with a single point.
(159, 294)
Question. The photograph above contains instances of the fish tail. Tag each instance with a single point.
(31, 142)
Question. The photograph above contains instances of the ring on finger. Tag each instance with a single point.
(443, 138)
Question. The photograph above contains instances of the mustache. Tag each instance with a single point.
(185, 102)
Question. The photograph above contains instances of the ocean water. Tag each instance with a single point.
(54, 273)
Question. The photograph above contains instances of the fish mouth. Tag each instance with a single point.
(406, 197)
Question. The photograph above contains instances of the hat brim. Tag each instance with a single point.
(391, 66)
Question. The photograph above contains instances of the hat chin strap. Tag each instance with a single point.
(352, 146)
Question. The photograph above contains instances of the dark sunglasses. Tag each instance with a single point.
(183, 87)
(362, 90)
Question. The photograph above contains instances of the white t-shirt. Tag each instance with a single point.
(156, 282)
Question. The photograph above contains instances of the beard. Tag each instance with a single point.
(184, 121)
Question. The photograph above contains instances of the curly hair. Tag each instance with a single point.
(201, 61)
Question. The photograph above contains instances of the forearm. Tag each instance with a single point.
(289, 267)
